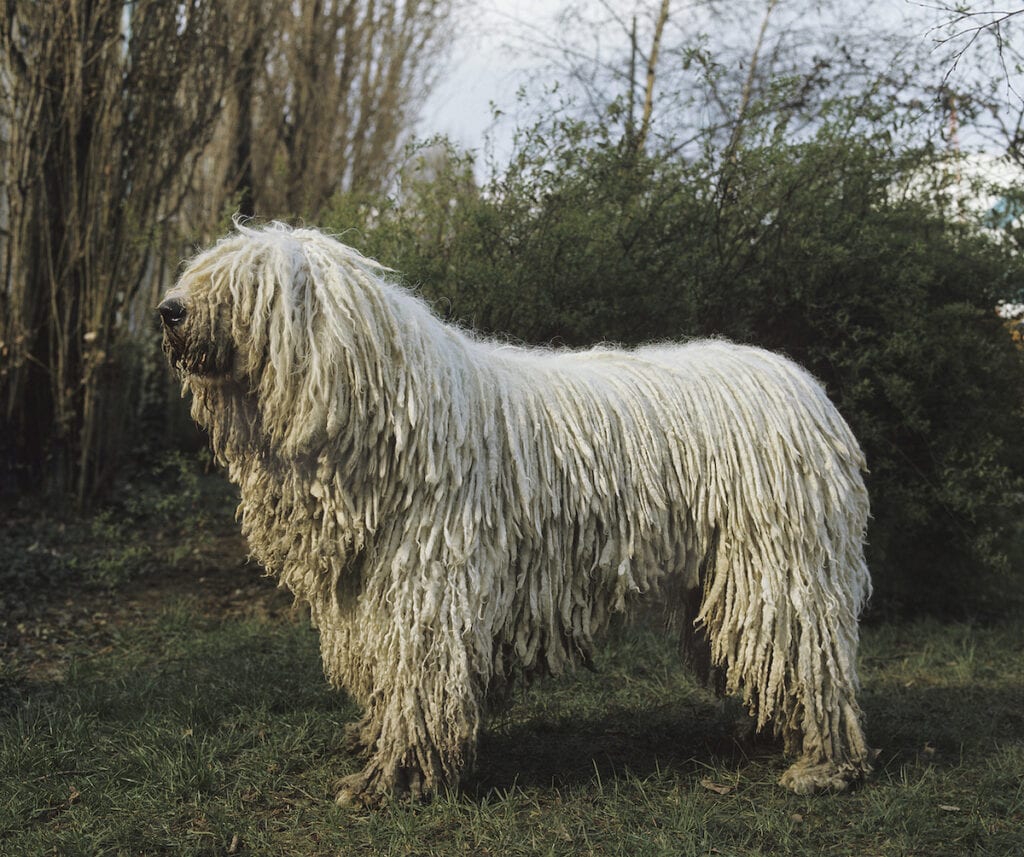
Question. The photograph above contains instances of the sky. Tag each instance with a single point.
(483, 70)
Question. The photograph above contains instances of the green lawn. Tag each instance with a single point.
(195, 730)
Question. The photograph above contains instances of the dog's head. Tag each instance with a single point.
(282, 318)
(216, 320)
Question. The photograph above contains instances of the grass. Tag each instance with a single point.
(197, 733)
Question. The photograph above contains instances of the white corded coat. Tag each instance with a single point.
(456, 510)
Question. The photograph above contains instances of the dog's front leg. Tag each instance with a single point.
(416, 740)
(423, 712)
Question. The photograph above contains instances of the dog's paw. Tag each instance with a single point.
(369, 789)
(806, 778)
(358, 792)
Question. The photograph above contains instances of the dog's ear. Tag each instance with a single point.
(325, 351)
(275, 315)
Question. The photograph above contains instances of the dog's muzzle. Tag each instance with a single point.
(172, 313)
(188, 352)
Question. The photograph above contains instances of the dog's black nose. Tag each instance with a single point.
(172, 311)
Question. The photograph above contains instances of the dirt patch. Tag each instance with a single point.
(39, 639)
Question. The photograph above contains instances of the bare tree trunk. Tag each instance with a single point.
(109, 103)
(338, 97)
(241, 174)
(748, 86)
(107, 110)
(652, 66)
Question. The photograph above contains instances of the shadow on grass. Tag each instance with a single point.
(942, 726)
(638, 741)
(943, 695)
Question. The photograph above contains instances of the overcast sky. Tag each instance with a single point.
(482, 68)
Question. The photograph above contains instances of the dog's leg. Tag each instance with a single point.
(421, 698)
(694, 640)
(413, 748)
(821, 720)
(784, 633)
(833, 753)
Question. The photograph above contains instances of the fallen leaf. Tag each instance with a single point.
(947, 808)
(717, 788)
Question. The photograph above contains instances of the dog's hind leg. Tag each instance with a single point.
(782, 629)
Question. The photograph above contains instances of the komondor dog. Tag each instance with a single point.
(458, 511)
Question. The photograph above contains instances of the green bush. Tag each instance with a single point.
(834, 251)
